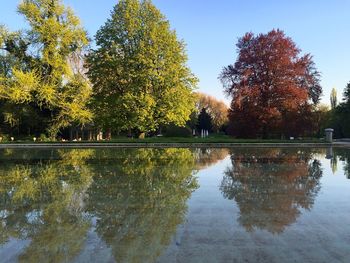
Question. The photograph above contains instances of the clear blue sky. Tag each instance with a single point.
(211, 29)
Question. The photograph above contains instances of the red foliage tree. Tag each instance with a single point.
(270, 83)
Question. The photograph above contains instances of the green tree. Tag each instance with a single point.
(341, 114)
(205, 121)
(217, 110)
(42, 75)
(344, 156)
(334, 98)
(139, 70)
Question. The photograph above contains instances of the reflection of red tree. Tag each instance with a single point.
(271, 187)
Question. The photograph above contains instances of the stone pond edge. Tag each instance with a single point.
(169, 145)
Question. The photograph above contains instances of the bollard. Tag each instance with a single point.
(329, 134)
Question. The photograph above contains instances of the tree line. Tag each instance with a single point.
(339, 115)
(135, 80)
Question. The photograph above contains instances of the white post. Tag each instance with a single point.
(329, 135)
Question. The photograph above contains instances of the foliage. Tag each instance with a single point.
(344, 156)
(139, 70)
(269, 82)
(271, 186)
(346, 95)
(176, 131)
(205, 121)
(142, 201)
(321, 119)
(42, 196)
(36, 69)
(333, 98)
(340, 116)
(217, 110)
(193, 121)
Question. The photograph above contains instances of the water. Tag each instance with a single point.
(175, 205)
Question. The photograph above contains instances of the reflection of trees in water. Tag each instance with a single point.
(270, 186)
(141, 202)
(344, 156)
(42, 200)
(137, 196)
(206, 157)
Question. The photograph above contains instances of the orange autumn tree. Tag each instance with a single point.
(273, 87)
(217, 109)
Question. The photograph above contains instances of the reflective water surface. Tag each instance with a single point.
(175, 205)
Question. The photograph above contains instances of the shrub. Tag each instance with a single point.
(43, 138)
(4, 138)
(176, 131)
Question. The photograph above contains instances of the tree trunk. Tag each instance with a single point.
(90, 135)
(109, 134)
(71, 133)
(265, 134)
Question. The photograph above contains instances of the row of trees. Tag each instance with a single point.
(216, 110)
(339, 115)
(136, 79)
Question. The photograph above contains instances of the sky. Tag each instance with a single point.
(211, 28)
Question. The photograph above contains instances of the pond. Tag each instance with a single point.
(175, 205)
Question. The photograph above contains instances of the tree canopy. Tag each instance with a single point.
(205, 121)
(340, 115)
(139, 71)
(217, 109)
(269, 83)
(35, 64)
(333, 98)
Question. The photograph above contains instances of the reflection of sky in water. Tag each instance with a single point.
(115, 216)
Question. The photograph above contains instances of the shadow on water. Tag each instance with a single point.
(133, 199)
(271, 186)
